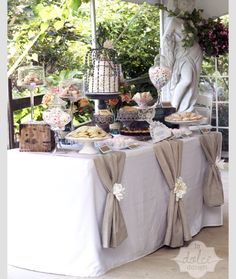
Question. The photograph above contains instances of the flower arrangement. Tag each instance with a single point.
(51, 96)
(83, 110)
(116, 103)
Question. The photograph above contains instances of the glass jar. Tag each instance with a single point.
(57, 116)
(71, 90)
(160, 73)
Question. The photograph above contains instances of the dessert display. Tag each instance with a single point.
(103, 118)
(136, 129)
(142, 99)
(130, 114)
(184, 116)
(87, 132)
(88, 135)
(102, 73)
(56, 117)
(71, 89)
(30, 76)
(127, 114)
(128, 109)
(105, 78)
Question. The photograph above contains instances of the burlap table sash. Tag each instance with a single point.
(212, 189)
(169, 157)
(110, 169)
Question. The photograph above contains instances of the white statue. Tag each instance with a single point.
(185, 62)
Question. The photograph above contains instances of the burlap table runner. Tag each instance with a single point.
(169, 157)
(110, 169)
(212, 189)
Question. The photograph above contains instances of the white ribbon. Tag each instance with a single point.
(118, 191)
(180, 188)
(220, 164)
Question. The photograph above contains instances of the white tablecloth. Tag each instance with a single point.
(56, 203)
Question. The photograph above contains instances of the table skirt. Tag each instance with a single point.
(56, 205)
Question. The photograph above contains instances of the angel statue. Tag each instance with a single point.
(185, 62)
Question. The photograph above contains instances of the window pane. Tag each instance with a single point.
(213, 116)
(223, 115)
(207, 85)
(222, 89)
(225, 139)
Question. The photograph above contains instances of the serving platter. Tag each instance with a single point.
(186, 122)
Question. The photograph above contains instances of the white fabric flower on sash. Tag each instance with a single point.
(220, 164)
(180, 188)
(118, 191)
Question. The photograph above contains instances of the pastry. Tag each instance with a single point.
(128, 109)
(88, 132)
(184, 116)
(104, 112)
(32, 77)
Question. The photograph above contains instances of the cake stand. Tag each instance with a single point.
(88, 144)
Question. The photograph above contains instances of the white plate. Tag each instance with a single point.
(87, 139)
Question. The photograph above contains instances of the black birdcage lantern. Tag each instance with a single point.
(102, 73)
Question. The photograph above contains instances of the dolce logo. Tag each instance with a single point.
(197, 259)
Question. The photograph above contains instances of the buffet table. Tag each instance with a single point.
(56, 205)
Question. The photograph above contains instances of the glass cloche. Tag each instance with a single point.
(71, 89)
(31, 76)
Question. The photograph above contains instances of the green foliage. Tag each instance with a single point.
(134, 31)
(23, 115)
(55, 78)
(67, 33)
(62, 36)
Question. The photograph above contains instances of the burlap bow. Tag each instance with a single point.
(169, 157)
(110, 169)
